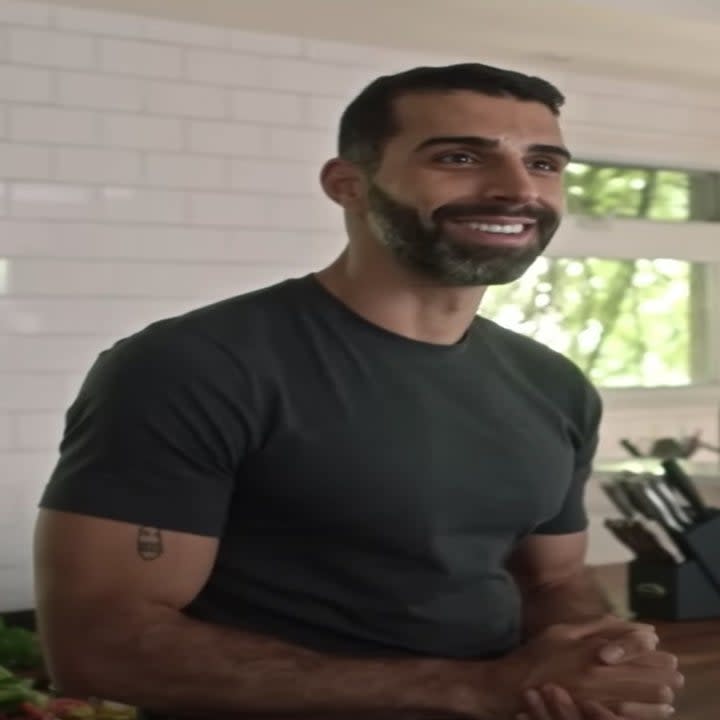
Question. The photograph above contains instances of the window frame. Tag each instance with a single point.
(583, 237)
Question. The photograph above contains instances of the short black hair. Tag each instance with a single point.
(369, 120)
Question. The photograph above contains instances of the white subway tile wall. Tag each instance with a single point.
(90, 90)
(24, 84)
(51, 48)
(19, 162)
(53, 125)
(141, 132)
(147, 59)
(22, 13)
(148, 167)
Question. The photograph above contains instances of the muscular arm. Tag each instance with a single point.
(109, 598)
(555, 584)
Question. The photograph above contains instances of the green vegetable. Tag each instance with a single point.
(19, 648)
(14, 691)
(40, 699)
(12, 697)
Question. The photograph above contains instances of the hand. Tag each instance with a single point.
(633, 642)
(626, 640)
(566, 655)
(555, 703)
(629, 641)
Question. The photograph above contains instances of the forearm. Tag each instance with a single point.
(576, 599)
(181, 666)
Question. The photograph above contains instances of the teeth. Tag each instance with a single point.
(506, 229)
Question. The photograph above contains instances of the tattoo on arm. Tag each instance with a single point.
(149, 543)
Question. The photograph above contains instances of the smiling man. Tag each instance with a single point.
(348, 495)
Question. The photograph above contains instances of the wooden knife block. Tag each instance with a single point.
(688, 591)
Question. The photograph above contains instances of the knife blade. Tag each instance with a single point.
(646, 506)
(659, 509)
(678, 479)
(663, 489)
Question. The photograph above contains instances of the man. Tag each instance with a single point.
(347, 495)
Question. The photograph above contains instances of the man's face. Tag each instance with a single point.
(469, 191)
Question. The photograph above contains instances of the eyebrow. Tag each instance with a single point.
(484, 143)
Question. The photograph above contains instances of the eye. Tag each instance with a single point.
(457, 158)
(545, 165)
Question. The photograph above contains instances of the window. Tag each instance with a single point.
(626, 320)
(644, 193)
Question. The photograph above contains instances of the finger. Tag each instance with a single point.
(656, 659)
(536, 705)
(561, 703)
(596, 711)
(650, 691)
(607, 624)
(643, 711)
(627, 646)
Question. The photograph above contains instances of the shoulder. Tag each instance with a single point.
(210, 346)
(222, 333)
(545, 368)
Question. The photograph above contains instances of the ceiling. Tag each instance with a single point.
(692, 9)
(677, 40)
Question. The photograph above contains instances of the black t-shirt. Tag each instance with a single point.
(366, 488)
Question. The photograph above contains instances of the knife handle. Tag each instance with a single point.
(679, 479)
(619, 499)
(631, 448)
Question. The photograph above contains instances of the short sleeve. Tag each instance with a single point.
(572, 517)
(155, 435)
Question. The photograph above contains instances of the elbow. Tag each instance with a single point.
(85, 664)
(78, 674)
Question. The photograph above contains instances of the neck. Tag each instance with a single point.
(400, 300)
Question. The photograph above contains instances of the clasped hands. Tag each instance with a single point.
(608, 669)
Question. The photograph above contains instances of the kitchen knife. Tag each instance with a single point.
(631, 448)
(628, 489)
(665, 537)
(619, 499)
(678, 479)
(651, 545)
(658, 509)
(637, 495)
(663, 489)
(616, 528)
(641, 541)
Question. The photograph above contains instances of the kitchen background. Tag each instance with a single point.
(151, 163)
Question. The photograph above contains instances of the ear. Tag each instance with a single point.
(345, 184)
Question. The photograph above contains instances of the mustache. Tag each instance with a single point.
(452, 212)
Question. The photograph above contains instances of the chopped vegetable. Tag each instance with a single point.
(19, 648)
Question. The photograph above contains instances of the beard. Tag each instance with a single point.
(425, 248)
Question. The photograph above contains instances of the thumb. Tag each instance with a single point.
(627, 647)
(611, 653)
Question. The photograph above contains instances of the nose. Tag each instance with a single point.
(511, 182)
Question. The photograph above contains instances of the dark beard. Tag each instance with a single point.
(425, 248)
